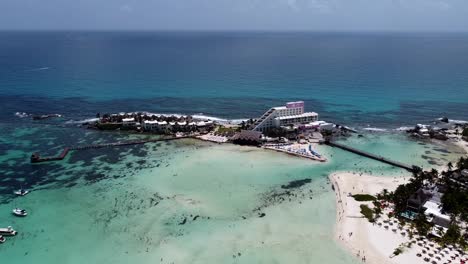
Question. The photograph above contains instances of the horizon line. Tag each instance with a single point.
(238, 31)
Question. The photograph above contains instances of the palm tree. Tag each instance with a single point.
(450, 166)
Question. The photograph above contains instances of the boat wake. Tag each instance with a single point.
(39, 69)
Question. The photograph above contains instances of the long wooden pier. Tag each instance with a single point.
(410, 168)
(36, 158)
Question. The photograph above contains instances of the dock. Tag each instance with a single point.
(410, 168)
(36, 158)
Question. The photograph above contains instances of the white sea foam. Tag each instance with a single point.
(404, 128)
(375, 129)
(21, 114)
(458, 121)
(71, 122)
(200, 116)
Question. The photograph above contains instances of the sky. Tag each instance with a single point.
(313, 15)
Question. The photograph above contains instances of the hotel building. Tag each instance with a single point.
(282, 116)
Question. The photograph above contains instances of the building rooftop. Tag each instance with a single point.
(131, 119)
(150, 122)
(433, 208)
(248, 135)
(279, 107)
(298, 116)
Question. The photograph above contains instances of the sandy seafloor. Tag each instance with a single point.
(181, 202)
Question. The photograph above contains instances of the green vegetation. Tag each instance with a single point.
(367, 212)
(454, 201)
(364, 197)
(403, 192)
(452, 235)
(377, 209)
(465, 132)
(244, 125)
(222, 130)
(422, 225)
(397, 251)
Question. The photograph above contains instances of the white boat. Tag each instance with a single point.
(19, 212)
(21, 192)
(9, 231)
(2, 239)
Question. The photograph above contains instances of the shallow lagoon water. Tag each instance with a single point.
(183, 202)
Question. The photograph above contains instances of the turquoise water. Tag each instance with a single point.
(186, 202)
(195, 202)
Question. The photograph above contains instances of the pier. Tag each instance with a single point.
(36, 158)
(410, 168)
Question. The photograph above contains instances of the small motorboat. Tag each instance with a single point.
(20, 212)
(9, 231)
(21, 192)
(2, 239)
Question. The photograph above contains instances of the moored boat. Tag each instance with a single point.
(9, 231)
(20, 212)
(21, 192)
(2, 239)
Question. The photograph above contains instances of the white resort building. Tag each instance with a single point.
(282, 116)
(129, 121)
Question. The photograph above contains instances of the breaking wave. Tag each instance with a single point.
(375, 129)
(73, 122)
(22, 114)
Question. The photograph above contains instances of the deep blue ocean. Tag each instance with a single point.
(361, 79)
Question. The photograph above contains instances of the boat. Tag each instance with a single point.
(20, 212)
(2, 239)
(21, 192)
(9, 231)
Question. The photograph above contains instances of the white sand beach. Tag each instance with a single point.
(365, 239)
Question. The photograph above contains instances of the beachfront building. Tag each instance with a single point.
(129, 121)
(247, 137)
(291, 114)
(150, 125)
(427, 200)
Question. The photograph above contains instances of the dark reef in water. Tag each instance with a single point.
(296, 184)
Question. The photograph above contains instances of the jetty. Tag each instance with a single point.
(410, 168)
(36, 157)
